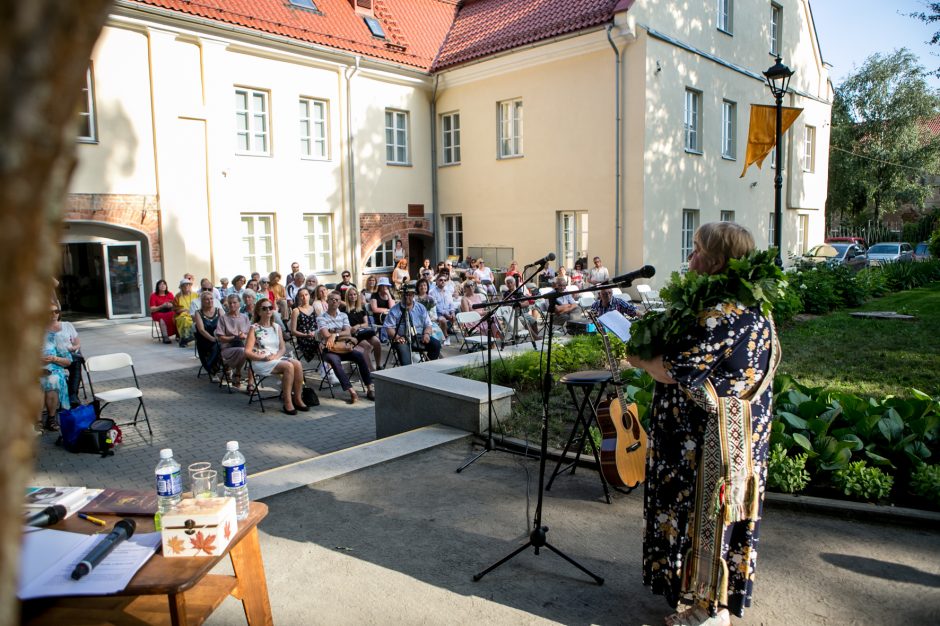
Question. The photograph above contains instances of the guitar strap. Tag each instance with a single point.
(727, 489)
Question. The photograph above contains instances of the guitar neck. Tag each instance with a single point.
(611, 361)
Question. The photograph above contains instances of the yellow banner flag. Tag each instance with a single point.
(762, 132)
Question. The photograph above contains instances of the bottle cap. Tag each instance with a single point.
(231, 446)
(166, 453)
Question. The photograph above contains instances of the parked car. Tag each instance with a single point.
(860, 241)
(922, 252)
(850, 254)
(887, 252)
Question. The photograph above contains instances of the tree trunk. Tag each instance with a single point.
(45, 46)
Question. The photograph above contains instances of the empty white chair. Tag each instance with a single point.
(651, 300)
(110, 362)
(472, 332)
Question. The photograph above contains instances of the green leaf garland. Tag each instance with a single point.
(754, 280)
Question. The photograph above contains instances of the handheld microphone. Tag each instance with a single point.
(48, 516)
(124, 529)
(545, 259)
(647, 271)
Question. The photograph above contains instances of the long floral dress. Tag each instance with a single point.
(55, 377)
(691, 548)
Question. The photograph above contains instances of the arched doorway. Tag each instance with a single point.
(104, 271)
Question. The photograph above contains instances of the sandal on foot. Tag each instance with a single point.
(353, 397)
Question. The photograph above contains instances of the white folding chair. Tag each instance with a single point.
(472, 333)
(585, 303)
(651, 300)
(511, 334)
(110, 362)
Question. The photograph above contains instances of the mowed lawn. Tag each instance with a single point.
(870, 357)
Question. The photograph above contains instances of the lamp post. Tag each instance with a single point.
(778, 79)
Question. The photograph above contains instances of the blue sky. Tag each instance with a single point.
(851, 30)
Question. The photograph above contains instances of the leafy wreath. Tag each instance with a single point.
(754, 280)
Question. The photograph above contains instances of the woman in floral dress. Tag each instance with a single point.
(709, 431)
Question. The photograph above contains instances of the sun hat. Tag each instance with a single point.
(383, 281)
(185, 281)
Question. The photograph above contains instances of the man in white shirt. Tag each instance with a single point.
(598, 273)
(444, 303)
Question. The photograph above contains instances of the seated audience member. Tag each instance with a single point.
(562, 273)
(296, 284)
(369, 290)
(606, 302)
(400, 276)
(337, 344)
(513, 270)
(231, 331)
(423, 297)
(161, 310)
(345, 283)
(444, 304)
(66, 336)
(522, 309)
(256, 276)
(205, 285)
(222, 290)
(181, 308)
(440, 267)
(360, 327)
(577, 274)
(206, 320)
(280, 295)
(382, 301)
(470, 296)
(254, 285)
(565, 305)
(598, 274)
(56, 359)
(320, 303)
(303, 326)
(249, 298)
(311, 283)
(238, 285)
(294, 268)
(399, 250)
(410, 319)
(266, 350)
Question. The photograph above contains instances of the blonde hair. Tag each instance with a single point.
(720, 241)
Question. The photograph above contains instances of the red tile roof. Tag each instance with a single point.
(415, 28)
(933, 125)
(483, 27)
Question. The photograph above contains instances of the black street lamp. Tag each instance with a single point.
(778, 79)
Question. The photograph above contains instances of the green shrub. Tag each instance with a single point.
(925, 482)
(818, 289)
(934, 244)
(850, 291)
(788, 304)
(863, 482)
(873, 281)
(786, 474)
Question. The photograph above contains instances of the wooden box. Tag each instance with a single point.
(199, 527)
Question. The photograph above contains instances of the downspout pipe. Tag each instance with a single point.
(435, 208)
(353, 229)
(618, 132)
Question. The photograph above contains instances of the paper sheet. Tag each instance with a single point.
(615, 322)
(49, 556)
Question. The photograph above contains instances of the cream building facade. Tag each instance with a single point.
(686, 83)
(218, 149)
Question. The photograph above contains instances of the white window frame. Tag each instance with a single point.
(450, 138)
(396, 137)
(453, 235)
(572, 237)
(690, 222)
(252, 126)
(318, 237)
(727, 216)
(726, 16)
(771, 229)
(87, 112)
(509, 129)
(253, 239)
(729, 130)
(802, 227)
(776, 27)
(314, 129)
(809, 149)
(382, 258)
(692, 121)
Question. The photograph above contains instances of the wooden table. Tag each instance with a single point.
(168, 590)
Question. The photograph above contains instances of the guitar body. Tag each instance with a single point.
(623, 444)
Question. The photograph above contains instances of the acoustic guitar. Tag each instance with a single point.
(624, 442)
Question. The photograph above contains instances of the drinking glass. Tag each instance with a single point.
(205, 483)
(201, 466)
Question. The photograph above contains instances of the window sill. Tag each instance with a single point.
(449, 164)
(729, 157)
(726, 32)
(390, 164)
(695, 152)
(509, 157)
(88, 140)
(254, 154)
(313, 158)
(378, 270)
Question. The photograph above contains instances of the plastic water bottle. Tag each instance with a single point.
(236, 478)
(169, 481)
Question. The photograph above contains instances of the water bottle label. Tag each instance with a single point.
(169, 484)
(235, 476)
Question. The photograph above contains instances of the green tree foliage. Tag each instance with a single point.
(930, 17)
(882, 151)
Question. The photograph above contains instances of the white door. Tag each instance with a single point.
(124, 282)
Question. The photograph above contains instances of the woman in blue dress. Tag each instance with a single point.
(55, 374)
(709, 431)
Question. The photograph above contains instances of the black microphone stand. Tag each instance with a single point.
(538, 537)
(493, 307)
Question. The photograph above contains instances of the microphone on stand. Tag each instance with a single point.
(647, 271)
(48, 516)
(541, 262)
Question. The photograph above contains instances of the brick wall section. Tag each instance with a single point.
(374, 228)
(137, 212)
